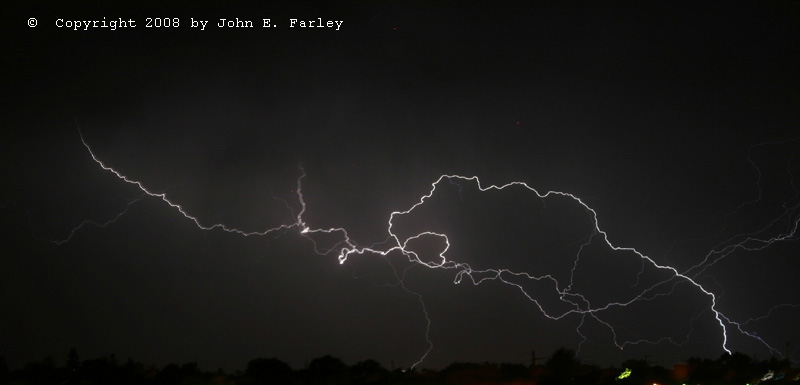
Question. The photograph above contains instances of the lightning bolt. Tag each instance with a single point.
(566, 295)
(163, 197)
(577, 303)
(83, 224)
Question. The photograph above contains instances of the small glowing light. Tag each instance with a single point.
(625, 374)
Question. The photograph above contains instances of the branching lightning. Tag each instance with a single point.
(89, 222)
(84, 223)
(163, 197)
(576, 302)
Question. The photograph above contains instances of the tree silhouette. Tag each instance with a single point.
(174, 374)
(269, 371)
(3, 369)
(73, 361)
(367, 372)
(328, 370)
(737, 367)
(560, 368)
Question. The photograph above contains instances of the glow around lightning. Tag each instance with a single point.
(577, 303)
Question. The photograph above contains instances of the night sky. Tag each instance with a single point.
(676, 123)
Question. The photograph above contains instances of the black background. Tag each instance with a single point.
(674, 121)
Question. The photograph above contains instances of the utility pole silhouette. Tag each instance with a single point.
(534, 358)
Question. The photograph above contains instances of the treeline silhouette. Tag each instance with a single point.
(560, 368)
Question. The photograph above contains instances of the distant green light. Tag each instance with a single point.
(625, 374)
